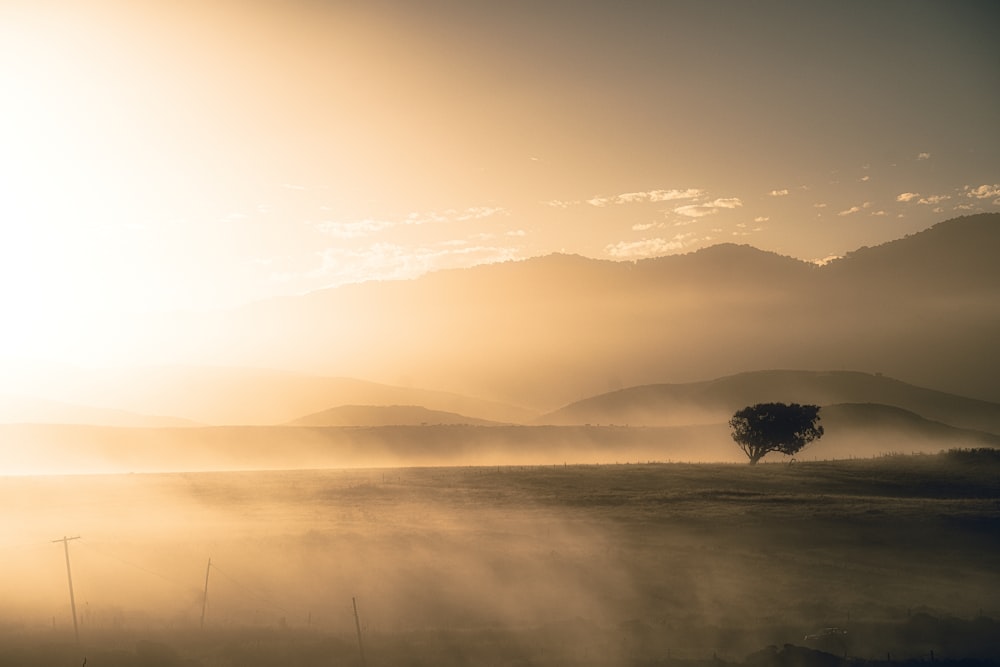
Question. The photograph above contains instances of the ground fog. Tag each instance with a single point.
(549, 564)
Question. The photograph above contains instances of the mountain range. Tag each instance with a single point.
(213, 395)
(511, 341)
(386, 415)
(543, 332)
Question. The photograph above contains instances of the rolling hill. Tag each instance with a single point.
(246, 396)
(545, 331)
(852, 430)
(865, 429)
(527, 337)
(385, 415)
(716, 400)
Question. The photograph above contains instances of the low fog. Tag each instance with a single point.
(419, 549)
(852, 431)
(546, 521)
(584, 562)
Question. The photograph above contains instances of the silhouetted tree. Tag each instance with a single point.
(775, 427)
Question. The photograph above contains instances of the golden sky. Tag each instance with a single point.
(193, 155)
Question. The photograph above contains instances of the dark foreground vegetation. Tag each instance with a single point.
(881, 561)
(922, 640)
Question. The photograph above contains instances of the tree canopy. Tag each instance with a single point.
(775, 427)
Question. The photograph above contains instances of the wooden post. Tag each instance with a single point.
(357, 625)
(69, 577)
(204, 596)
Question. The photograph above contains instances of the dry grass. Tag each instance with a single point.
(609, 563)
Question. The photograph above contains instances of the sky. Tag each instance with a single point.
(162, 155)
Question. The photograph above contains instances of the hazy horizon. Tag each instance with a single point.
(162, 157)
(433, 306)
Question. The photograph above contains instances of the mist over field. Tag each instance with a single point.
(213, 515)
(465, 332)
(590, 564)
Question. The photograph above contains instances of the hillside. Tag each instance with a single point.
(527, 337)
(868, 430)
(384, 415)
(546, 331)
(249, 396)
(716, 400)
(947, 258)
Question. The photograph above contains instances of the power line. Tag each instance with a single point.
(132, 565)
(248, 590)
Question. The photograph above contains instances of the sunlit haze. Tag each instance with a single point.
(456, 333)
(162, 156)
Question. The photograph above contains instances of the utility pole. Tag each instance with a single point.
(69, 576)
(357, 625)
(204, 597)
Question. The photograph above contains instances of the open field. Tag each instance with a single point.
(545, 565)
(32, 449)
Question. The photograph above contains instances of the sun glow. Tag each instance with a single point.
(69, 196)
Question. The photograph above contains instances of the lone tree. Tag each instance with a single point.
(775, 427)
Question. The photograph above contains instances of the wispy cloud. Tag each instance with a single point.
(351, 229)
(708, 208)
(778, 193)
(389, 261)
(855, 209)
(741, 227)
(647, 247)
(354, 228)
(560, 203)
(653, 196)
(907, 196)
(761, 218)
(934, 199)
(452, 215)
(983, 191)
(923, 156)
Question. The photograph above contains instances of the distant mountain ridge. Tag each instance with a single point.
(526, 337)
(716, 400)
(866, 429)
(545, 331)
(237, 396)
(385, 415)
(954, 255)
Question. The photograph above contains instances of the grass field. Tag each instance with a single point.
(553, 565)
